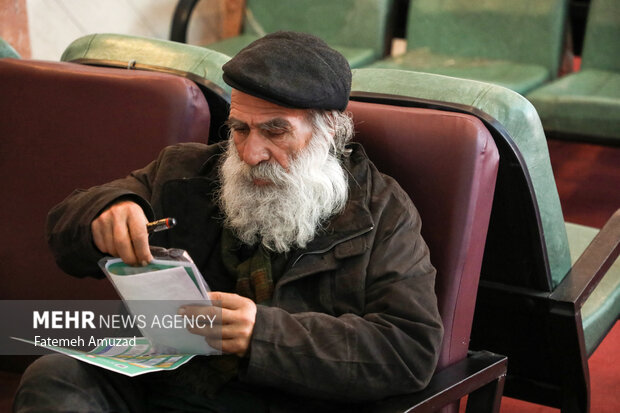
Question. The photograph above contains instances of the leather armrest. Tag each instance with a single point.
(591, 266)
(449, 385)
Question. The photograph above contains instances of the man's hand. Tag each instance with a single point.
(120, 231)
(237, 321)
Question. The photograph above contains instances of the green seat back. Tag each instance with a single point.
(232, 45)
(348, 23)
(6, 50)
(357, 57)
(518, 117)
(523, 31)
(601, 48)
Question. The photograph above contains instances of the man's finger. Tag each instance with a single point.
(228, 300)
(204, 317)
(108, 238)
(123, 244)
(98, 237)
(230, 316)
(140, 239)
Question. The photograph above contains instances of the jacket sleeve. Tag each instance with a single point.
(68, 223)
(390, 348)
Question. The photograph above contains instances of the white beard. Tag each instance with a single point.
(288, 212)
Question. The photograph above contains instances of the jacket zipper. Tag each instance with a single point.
(332, 245)
(321, 251)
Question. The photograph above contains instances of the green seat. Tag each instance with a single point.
(6, 50)
(356, 28)
(535, 303)
(201, 65)
(515, 44)
(586, 105)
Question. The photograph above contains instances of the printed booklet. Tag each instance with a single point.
(153, 295)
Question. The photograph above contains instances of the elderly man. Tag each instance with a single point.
(325, 283)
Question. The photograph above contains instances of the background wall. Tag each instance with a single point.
(14, 25)
(42, 29)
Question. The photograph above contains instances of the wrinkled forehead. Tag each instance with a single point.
(253, 110)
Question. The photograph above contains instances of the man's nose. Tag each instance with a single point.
(255, 149)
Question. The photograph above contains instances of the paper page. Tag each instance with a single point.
(168, 284)
(164, 338)
(158, 293)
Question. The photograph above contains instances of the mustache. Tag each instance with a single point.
(270, 171)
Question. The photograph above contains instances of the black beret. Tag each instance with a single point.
(296, 70)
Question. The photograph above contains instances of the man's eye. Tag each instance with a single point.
(242, 131)
(275, 132)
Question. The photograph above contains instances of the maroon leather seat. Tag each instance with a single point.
(67, 126)
(447, 162)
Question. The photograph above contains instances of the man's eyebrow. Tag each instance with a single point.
(277, 124)
(234, 123)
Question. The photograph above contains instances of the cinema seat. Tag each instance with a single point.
(68, 126)
(447, 163)
(515, 44)
(359, 29)
(545, 310)
(585, 105)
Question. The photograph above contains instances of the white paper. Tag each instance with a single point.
(159, 293)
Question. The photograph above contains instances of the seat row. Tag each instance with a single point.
(518, 45)
(515, 44)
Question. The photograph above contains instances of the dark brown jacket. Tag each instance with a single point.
(354, 316)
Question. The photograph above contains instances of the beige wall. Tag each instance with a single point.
(42, 29)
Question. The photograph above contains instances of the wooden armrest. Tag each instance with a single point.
(478, 370)
(591, 266)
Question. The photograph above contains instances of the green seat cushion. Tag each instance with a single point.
(518, 117)
(6, 50)
(198, 61)
(583, 103)
(602, 308)
(356, 56)
(519, 77)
